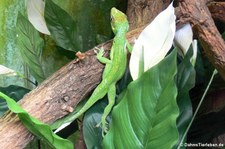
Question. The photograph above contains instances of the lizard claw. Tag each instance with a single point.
(98, 125)
(104, 128)
(100, 51)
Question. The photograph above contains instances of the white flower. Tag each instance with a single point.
(35, 11)
(183, 39)
(155, 40)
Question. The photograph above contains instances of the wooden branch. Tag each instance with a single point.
(217, 10)
(198, 14)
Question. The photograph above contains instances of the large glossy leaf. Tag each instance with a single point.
(30, 44)
(62, 27)
(93, 24)
(9, 51)
(53, 58)
(15, 92)
(185, 82)
(92, 134)
(35, 126)
(146, 116)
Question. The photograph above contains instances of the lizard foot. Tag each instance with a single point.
(104, 128)
(100, 51)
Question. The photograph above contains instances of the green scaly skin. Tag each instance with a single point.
(114, 68)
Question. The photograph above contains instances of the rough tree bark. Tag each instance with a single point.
(198, 14)
(57, 96)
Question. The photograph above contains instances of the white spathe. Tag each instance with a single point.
(35, 12)
(7, 71)
(195, 50)
(156, 40)
(183, 39)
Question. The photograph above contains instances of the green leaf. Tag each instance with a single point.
(93, 134)
(185, 82)
(36, 127)
(146, 116)
(10, 54)
(62, 27)
(15, 92)
(53, 58)
(93, 24)
(30, 45)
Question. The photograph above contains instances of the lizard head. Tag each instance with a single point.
(118, 21)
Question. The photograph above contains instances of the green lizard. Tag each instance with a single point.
(114, 68)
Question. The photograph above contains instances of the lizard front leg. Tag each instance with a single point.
(100, 57)
(129, 46)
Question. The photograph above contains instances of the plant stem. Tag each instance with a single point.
(24, 77)
(196, 111)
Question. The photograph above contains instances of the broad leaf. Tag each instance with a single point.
(92, 133)
(185, 82)
(53, 58)
(30, 45)
(93, 24)
(35, 126)
(154, 42)
(35, 12)
(15, 92)
(146, 116)
(62, 27)
(10, 54)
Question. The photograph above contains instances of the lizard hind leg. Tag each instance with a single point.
(111, 101)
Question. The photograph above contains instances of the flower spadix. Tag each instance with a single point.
(153, 43)
(35, 12)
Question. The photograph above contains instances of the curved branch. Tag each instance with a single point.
(198, 14)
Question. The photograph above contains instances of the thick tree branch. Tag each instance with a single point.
(198, 14)
(217, 10)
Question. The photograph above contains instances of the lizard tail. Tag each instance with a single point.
(98, 94)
